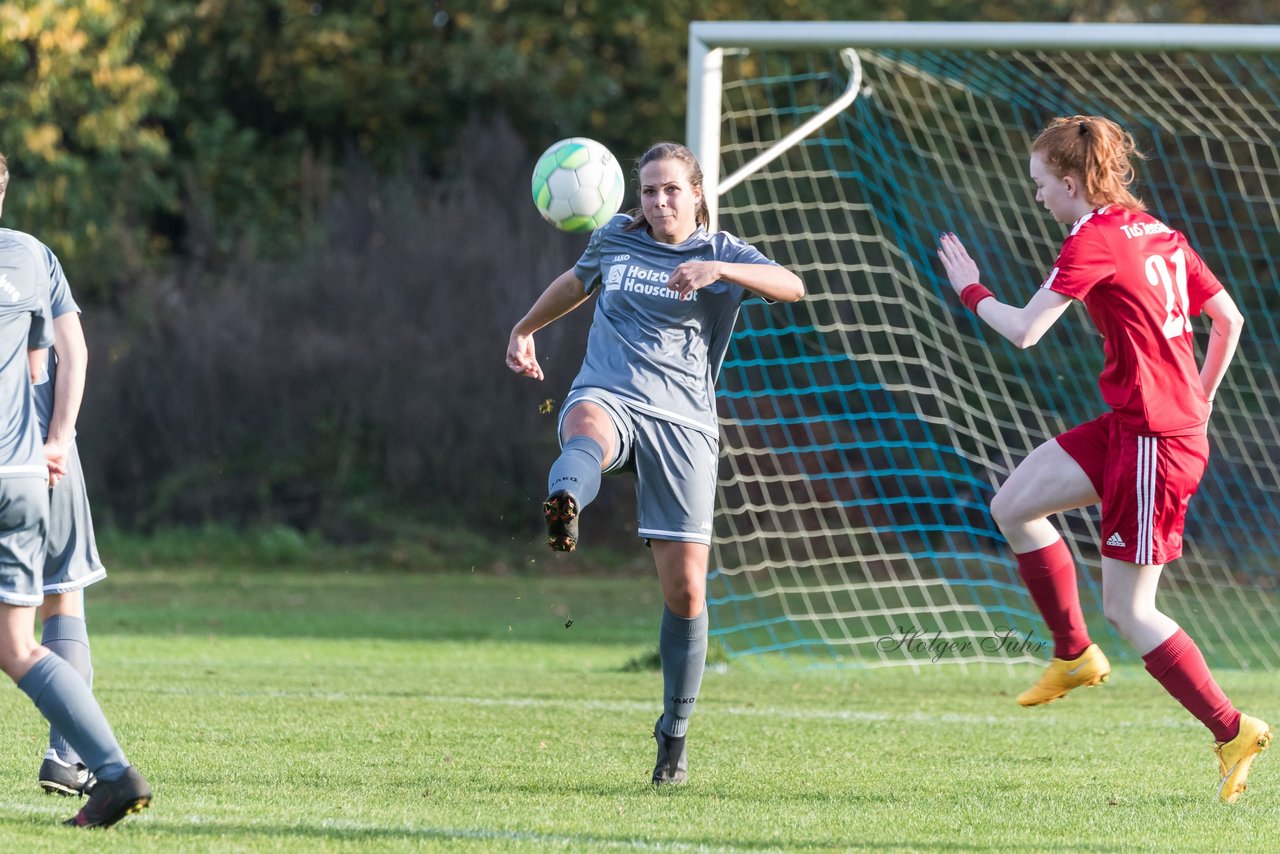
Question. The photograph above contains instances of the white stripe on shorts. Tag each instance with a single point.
(17, 600)
(24, 471)
(678, 536)
(1147, 455)
(712, 430)
(78, 584)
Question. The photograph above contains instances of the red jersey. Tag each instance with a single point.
(1141, 283)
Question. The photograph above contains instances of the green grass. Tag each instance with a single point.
(287, 710)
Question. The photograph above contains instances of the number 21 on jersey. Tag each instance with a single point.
(1177, 320)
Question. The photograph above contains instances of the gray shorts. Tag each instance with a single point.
(675, 469)
(24, 516)
(71, 561)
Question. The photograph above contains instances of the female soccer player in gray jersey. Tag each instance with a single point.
(57, 690)
(644, 400)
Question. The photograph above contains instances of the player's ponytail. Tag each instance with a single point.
(672, 151)
(1098, 152)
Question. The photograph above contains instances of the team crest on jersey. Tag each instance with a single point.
(613, 277)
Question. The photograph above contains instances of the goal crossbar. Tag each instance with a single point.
(707, 39)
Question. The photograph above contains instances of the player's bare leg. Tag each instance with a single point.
(1129, 602)
(18, 650)
(682, 574)
(1049, 481)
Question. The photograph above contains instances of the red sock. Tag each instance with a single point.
(1050, 576)
(1178, 665)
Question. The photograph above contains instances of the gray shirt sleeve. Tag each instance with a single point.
(60, 299)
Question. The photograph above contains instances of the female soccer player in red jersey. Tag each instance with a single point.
(1141, 283)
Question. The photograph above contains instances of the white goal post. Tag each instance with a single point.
(865, 429)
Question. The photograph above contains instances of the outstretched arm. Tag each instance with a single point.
(1023, 326)
(1223, 337)
(771, 281)
(561, 297)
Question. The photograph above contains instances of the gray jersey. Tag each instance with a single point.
(60, 302)
(658, 353)
(25, 324)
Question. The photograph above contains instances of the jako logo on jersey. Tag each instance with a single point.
(616, 258)
(637, 282)
(1144, 229)
(8, 288)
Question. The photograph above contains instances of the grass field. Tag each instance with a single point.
(286, 710)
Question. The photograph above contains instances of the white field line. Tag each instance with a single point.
(1016, 716)
(574, 841)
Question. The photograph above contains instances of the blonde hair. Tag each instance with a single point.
(1097, 151)
(4, 173)
(671, 151)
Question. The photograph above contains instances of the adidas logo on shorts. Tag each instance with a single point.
(1115, 541)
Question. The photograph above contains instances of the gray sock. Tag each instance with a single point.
(69, 638)
(578, 470)
(682, 645)
(67, 703)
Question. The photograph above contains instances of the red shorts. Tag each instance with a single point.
(1146, 483)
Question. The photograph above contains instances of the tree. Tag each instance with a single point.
(84, 90)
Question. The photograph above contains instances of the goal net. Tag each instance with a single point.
(866, 428)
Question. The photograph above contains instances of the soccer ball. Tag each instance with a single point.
(577, 184)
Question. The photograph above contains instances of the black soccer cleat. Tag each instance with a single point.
(112, 800)
(671, 767)
(60, 778)
(561, 512)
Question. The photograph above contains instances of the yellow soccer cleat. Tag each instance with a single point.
(1089, 668)
(1235, 757)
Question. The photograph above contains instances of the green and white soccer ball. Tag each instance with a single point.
(577, 184)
